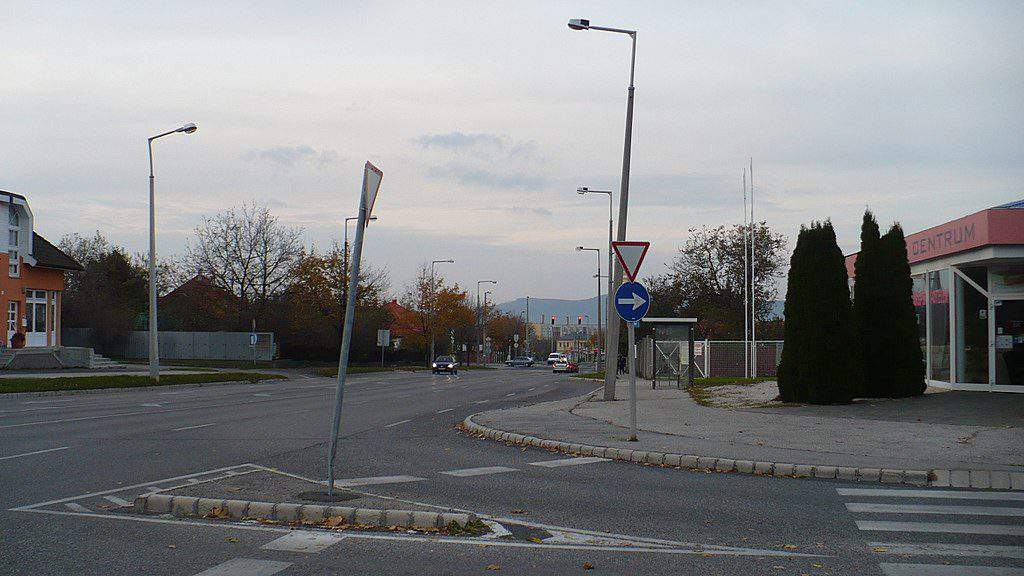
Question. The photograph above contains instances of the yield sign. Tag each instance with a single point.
(371, 185)
(630, 256)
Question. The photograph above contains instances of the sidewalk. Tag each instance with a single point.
(936, 433)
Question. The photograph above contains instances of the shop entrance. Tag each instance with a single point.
(1009, 342)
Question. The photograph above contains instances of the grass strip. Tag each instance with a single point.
(9, 385)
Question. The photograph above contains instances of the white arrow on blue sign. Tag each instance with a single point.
(632, 301)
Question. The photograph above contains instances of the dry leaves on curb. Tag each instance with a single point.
(492, 567)
(789, 547)
(588, 566)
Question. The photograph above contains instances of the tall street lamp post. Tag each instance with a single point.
(433, 303)
(583, 190)
(479, 282)
(598, 276)
(612, 344)
(154, 348)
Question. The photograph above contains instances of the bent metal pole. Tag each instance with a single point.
(346, 337)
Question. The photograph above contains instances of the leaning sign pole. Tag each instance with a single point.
(371, 185)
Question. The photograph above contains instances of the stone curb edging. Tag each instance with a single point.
(192, 507)
(945, 478)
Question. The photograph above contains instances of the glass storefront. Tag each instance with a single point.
(938, 324)
(972, 326)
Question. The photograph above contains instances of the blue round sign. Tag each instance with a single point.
(632, 301)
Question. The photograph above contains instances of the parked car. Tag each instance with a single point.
(565, 365)
(555, 357)
(521, 361)
(444, 364)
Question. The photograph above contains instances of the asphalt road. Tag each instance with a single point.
(57, 447)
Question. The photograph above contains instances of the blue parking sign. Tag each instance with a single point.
(632, 301)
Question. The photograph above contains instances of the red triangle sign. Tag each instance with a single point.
(630, 255)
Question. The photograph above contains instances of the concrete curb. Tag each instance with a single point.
(191, 507)
(1002, 480)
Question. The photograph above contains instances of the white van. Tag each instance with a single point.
(556, 357)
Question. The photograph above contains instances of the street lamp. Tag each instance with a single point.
(583, 190)
(612, 343)
(479, 282)
(154, 348)
(598, 250)
(433, 301)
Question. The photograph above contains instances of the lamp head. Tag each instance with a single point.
(578, 248)
(582, 190)
(188, 128)
(579, 24)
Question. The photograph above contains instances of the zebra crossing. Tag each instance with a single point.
(941, 532)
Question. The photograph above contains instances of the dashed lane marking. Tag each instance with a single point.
(445, 410)
(374, 480)
(940, 528)
(569, 462)
(246, 567)
(34, 453)
(878, 508)
(483, 470)
(194, 427)
(397, 423)
(302, 541)
(481, 402)
(947, 570)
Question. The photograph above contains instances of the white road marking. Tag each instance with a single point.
(118, 501)
(374, 480)
(264, 394)
(154, 488)
(530, 389)
(497, 531)
(246, 567)
(873, 507)
(941, 528)
(954, 494)
(303, 541)
(33, 453)
(48, 401)
(151, 405)
(396, 423)
(946, 549)
(478, 471)
(481, 402)
(512, 394)
(445, 410)
(948, 570)
(569, 461)
(194, 427)
(76, 507)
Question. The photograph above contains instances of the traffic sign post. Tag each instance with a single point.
(632, 302)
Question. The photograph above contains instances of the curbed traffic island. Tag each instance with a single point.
(312, 515)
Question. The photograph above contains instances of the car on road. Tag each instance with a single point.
(520, 361)
(556, 357)
(565, 365)
(444, 364)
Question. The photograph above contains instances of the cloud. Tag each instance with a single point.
(289, 156)
(474, 176)
(530, 211)
(460, 141)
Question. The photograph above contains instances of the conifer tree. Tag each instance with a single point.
(906, 363)
(869, 308)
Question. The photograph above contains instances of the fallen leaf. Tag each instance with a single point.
(518, 511)
(492, 567)
(879, 549)
(588, 566)
(172, 545)
(232, 539)
(815, 565)
(536, 540)
(789, 547)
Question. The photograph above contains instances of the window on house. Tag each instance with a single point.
(12, 318)
(13, 267)
(12, 216)
(12, 237)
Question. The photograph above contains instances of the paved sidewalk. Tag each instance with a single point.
(934, 433)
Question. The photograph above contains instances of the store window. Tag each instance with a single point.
(938, 324)
(972, 326)
(921, 310)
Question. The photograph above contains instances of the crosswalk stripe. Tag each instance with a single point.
(953, 494)
(246, 567)
(874, 507)
(373, 480)
(569, 462)
(303, 541)
(936, 527)
(947, 570)
(945, 549)
(479, 471)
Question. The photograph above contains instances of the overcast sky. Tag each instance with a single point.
(485, 117)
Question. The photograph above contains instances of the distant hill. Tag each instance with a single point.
(544, 308)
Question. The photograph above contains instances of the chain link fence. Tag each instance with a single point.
(711, 358)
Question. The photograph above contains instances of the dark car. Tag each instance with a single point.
(445, 364)
(520, 361)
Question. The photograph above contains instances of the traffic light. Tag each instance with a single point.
(552, 319)
(579, 320)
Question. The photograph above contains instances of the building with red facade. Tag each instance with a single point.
(33, 283)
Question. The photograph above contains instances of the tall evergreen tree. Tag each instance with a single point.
(821, 360)
(869, 308)
(906, 363)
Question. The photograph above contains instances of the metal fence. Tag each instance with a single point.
(711, 358)
(203, 346)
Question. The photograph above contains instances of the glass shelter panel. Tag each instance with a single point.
(938, 324)
(971, 330)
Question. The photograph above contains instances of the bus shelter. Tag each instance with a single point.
(670, 351)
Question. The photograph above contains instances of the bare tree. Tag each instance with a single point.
(247, 252)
